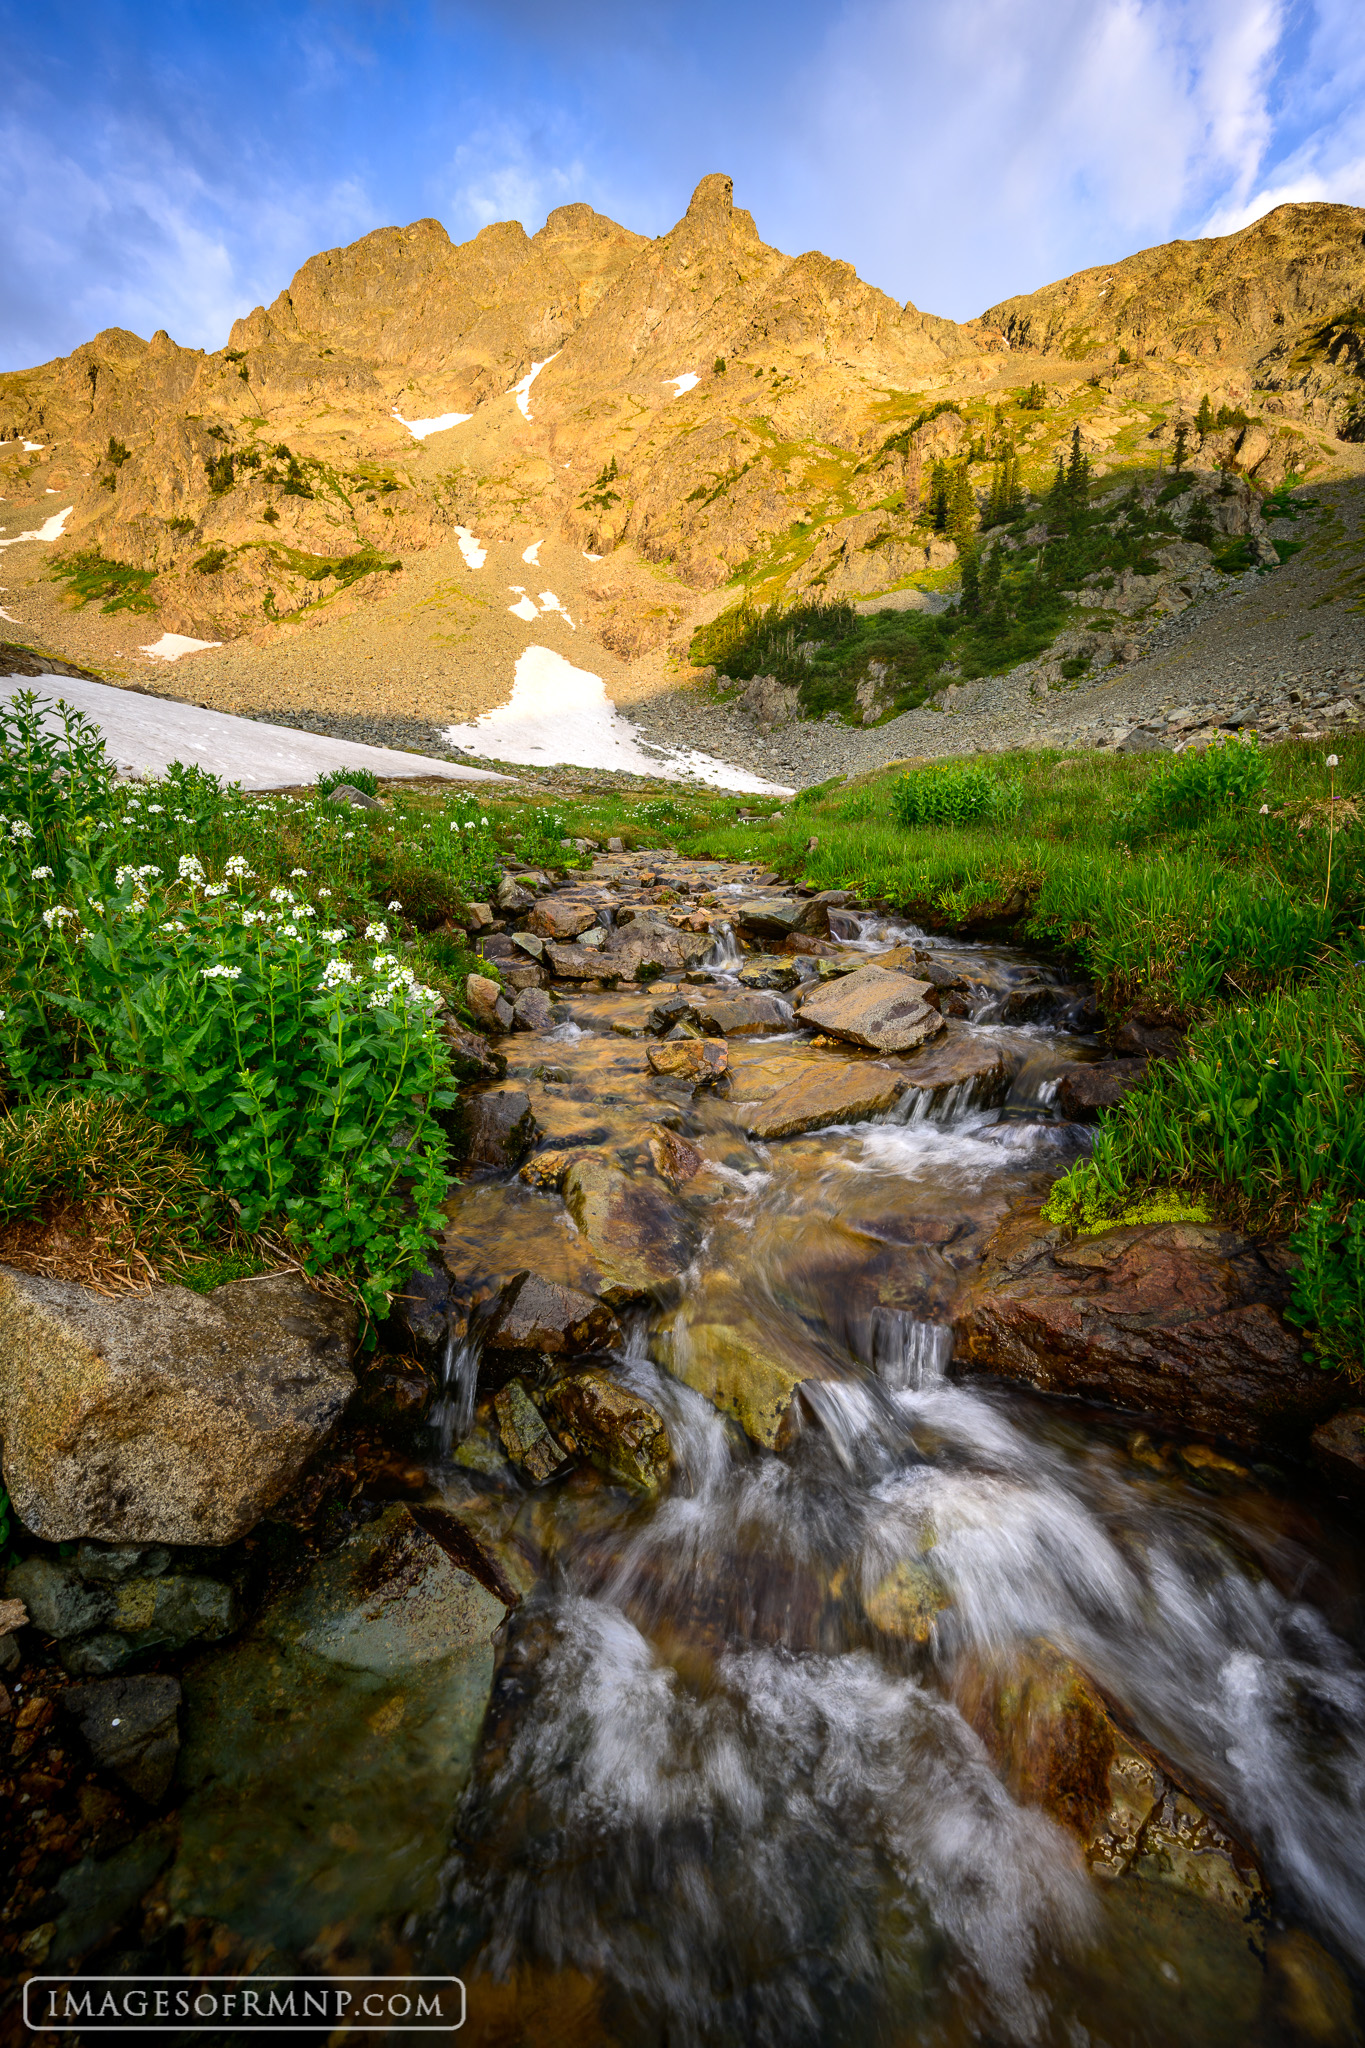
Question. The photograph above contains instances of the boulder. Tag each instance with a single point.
(740, 1372)
(512, 898)
(849, 1092)
(324, 1753)
(675, 1158)
(169, 1417)
(631, 1229)
(499, 1125)
(1144, 1038)
(959, 1058)
(613, 1428)
(884, 1011)
(560, 918)
(1058, 1746)
(1339, 1447)
(471, 1057)
(488, 1006)
(131, 1728)
(579, 963)
(525, 1436)
(515, 980)
(774, 917)
(905, 1601)
(769, 970)
(359, 799)
(699, 1060)
(1176, 1320)
(640, 952)
(742, 1016)
(1084, 1091)
(537, 1315)
(531, 1010)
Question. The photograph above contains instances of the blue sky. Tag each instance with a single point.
(171, 165)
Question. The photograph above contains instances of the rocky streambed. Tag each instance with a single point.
(770, 1587)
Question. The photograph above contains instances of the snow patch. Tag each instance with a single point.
(532, 554)
(591, 558)
(474, 552)
(521, 390)
(419, 429)
(683, 383)
(35, 447)
(525, 607)
(561, 714)
(51, 529)
(550, 603)
(171, 646)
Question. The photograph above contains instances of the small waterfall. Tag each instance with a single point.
(452, 1414)
(724, 956)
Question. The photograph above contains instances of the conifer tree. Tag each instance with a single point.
(970, 601)
(961, 524)
(1077, 474)
(990, 579)
(1182, 446)
(1204, 418)
(1057, 497)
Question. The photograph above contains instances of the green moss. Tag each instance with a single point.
(1088, 1212)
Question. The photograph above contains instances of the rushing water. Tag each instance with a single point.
(716, 1804)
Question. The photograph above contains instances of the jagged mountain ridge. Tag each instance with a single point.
(261, 482)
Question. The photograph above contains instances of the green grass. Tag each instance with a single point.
(1192, 891)
(89, 575)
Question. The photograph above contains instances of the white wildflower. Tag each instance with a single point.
(235, 864)
(216, 889)
(190, 868)
(156, 810)
(395, 905)
(1332, 761)
(336, 972)
(41, 874)
(221, 972)
(304, 910)
(324, 892)
(289, 931)
(334, 937)
(1265, 810)
(281, 895)
(297, 874)
(58, 915)
(21, 829)
(378, 931)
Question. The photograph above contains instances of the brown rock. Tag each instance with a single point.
(614, 1429)
(744, 1373)
(1084, 1091)
(131, 1728)
(537, 1315)
(741, 1016)
(1142, 1038)
(884, 1011)
(488, 1005)
(499, 1125)
(531, 1011)
(1179, 1320)
(1339, 1447)
(695, 1059)
(631, 1229)
(526, 1439)
(580, 963)
(558, 918)
(1058, 1746)
(675, 1158)
(170, 1417)
(958, 1058)
(826, 1093)
(471, 1056)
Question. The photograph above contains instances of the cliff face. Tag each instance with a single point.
(703, 399)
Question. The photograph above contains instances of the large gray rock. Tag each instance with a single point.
(324, 1753)
(884, 1011)
(170, 1417)
(746, 1016)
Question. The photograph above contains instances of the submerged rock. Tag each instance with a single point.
(499, 1125)
(169, 1417)
(883, 1011)
(742, 1374)
(102, 1624)
(742, 1016)
(131, 1728)
(615, 1429)
(828, 1093)
(1180, 1320)
(633, 1231)
(324, 1753)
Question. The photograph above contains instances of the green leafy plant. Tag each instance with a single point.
(1228, 775)
(212, 562)
(363, 779)
(954, 794)
(90, 574)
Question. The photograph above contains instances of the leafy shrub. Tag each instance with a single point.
(211, 562)
(1229, 775)
(953, 794)
(56, 778)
